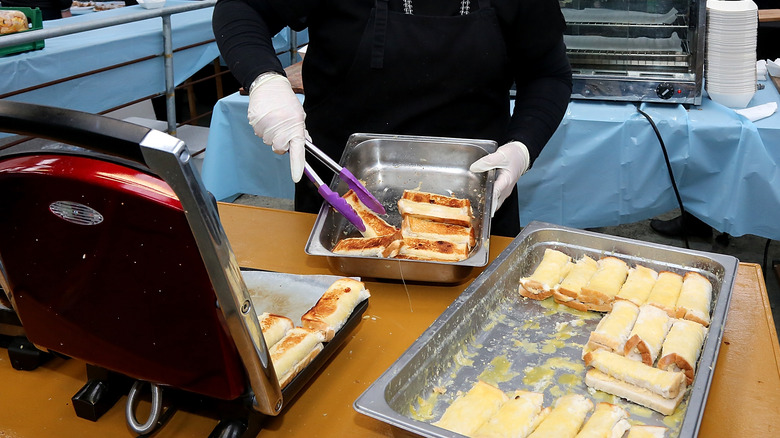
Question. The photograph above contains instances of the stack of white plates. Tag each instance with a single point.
(730, 71)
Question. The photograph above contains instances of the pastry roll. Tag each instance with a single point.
(695, 297)
(438, 208)
(565, 419)
(551, 270)
(607, 421)
(605, 284)
(604, 382)
(425, 229)
(666, 291)
(647, 432)
(638, 285)
(294, 352)
(274, 327)
(434, 250)
(381, 246)
(569, 290)
(667, 384)
(682, 347)
(613, 330)
(468, 412)
(334, 307)
(646, 338)
(375, 225)
(516, 418)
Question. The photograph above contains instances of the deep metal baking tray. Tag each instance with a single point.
(491, 333)
(389, 164)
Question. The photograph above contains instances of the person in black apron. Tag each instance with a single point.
(424, 67)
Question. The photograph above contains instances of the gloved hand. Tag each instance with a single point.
(277, 116)
(511, 160)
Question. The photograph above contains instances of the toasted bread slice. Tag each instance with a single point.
(381, 246)
(334, 307)
(294, 352)
(433, 250)
(274, 327)
(415, 227)
(437, 208)
(375, 225)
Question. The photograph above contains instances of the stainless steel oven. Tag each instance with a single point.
(636, 50)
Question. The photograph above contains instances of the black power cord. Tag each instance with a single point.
(671, 176)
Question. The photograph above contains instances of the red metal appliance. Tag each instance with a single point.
(112, 252)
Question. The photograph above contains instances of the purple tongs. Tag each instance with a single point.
(332, 197)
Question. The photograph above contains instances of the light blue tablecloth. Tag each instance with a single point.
(72, 55)
(603, 166)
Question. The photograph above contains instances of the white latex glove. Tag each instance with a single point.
(511, 160)
(277, 116)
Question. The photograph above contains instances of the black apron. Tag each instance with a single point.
(417, 75)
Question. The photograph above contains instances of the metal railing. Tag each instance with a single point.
(142, 14)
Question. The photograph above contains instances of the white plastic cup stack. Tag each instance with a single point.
(730, 70)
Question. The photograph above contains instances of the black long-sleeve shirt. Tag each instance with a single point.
(532, 30)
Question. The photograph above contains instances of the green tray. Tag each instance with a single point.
(35, 18)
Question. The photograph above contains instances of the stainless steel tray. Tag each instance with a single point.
(390, 164)
(490, 332)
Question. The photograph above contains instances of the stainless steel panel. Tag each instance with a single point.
(490, 332)
(390, 164)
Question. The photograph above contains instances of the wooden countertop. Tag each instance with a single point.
(744, 398)
(766, 15)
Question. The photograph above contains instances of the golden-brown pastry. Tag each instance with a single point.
(334, 307)
(434, 207)
(469, 411)
(695, 298)
(604, 382)
(565, 419)
(516, 418)
(294, 352)
(554, 266)
(638, 285)
(432, 250)
(380, 246)
(375, 225)
(425, 229)
(665, 292)
(274, 327)
(646, 338)
(607, 421)
(682, 347)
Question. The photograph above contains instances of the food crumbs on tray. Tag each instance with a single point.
(639, 411)
(424, 409)
(539, 378)
(528, 347)
(498, 371)
(570, 379)
(673, 421)
(462, 360)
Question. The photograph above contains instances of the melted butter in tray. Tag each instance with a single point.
(499, 370)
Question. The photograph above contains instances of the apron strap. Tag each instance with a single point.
(380, 28)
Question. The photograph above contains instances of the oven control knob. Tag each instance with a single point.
(664, 90)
